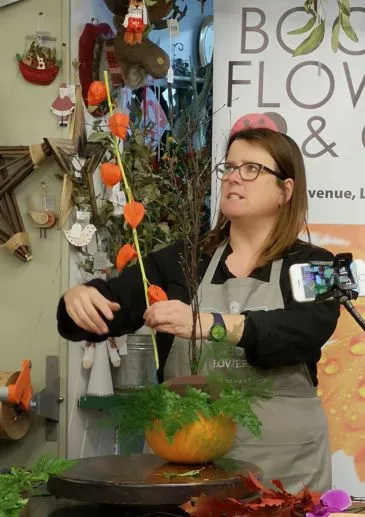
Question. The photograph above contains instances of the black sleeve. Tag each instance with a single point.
(294, 334)
(127, 290)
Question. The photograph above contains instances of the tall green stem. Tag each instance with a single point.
(129, 195)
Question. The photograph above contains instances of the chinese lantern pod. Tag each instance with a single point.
(133, 213)
(96, 93)
(125, 255)
(156, 294)
(118, 124)
(110, 174)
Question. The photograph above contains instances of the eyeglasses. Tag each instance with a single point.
(247, 171)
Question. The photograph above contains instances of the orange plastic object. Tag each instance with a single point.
(21, 392)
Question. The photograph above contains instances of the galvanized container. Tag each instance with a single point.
(137, 369)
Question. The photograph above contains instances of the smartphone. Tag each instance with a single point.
(310, 280)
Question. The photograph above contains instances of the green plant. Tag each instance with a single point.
(150, 185)
(317, 28)
(18, 484)
(224, 396)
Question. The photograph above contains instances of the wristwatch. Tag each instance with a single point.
(218, 330)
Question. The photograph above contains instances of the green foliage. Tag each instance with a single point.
(316, 26)
(17, 485)
(225, 396)
(151, 185)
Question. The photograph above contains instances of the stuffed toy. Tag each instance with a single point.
(135, 22)
(139, 56)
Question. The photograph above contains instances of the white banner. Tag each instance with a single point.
(319, 100)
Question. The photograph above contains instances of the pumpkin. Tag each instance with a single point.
(110, 174)
(202, 441)
(96, 93)
(118, 124)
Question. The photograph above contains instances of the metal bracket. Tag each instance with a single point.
(46, 402)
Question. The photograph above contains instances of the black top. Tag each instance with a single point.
(280, 337)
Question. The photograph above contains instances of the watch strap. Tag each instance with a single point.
(218, 319)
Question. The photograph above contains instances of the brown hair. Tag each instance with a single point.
(291, 219)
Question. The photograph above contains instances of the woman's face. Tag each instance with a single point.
(257, 199)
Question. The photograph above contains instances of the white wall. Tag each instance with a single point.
(29, 292)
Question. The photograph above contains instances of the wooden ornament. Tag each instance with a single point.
(79, 236)
(14, 424)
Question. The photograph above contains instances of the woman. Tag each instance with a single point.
(245, 283)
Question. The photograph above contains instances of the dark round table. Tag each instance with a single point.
(146, 482)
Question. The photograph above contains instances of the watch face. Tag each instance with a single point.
(218, 332)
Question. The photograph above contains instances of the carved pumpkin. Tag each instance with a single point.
(199, 442)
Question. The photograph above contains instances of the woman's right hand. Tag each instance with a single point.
(84, 305)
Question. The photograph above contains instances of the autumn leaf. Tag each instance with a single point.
(279, 485)
(267, 501)
(254, 485)
(207, 506)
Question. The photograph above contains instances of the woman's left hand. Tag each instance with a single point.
(175, 317)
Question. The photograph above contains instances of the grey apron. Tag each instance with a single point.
(294, 446)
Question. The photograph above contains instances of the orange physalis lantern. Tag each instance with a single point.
(125, 255)
(118, 124)
(133, 213)
(110, 174)
(156, 294)
(96, 93)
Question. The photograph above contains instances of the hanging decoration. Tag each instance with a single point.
(110, 174)
(96, 94)
(79, 236)
(138, 56)
(64, 104)
(39, 63)
(135, 22)
(44, 217)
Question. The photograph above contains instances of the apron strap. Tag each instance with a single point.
(276, 271)
(213, 264)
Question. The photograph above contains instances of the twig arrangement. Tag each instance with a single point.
(189, 170)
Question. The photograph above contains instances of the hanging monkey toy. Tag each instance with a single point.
(135, 22)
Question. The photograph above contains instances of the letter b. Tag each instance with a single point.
(253, 28)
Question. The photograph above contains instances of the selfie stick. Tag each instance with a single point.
(343, 287)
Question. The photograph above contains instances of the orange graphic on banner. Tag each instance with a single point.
(341, 370)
